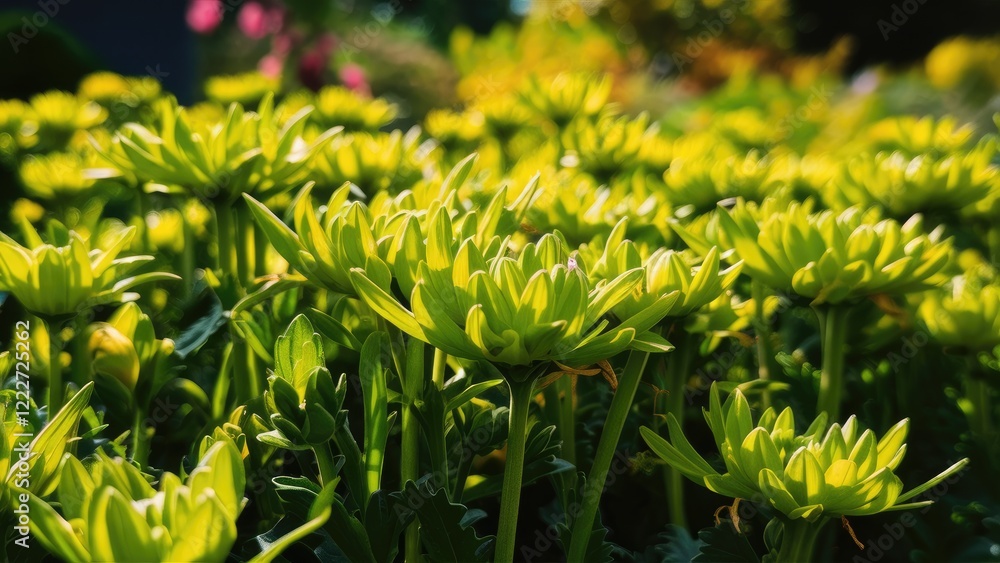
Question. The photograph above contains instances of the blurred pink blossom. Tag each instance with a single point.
(203, 16)
(257, 21)
(353, 77)
(271, 65)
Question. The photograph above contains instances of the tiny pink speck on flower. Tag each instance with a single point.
(571, 263)
(203, 16)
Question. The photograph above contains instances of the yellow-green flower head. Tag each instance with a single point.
(338, 106)
(302, 398)
(13, 116)
(372, 161)
(47, 447)
(966, 317)
(56, 176)
(108, 88)
(582, 210)
(454, 129)
(656, 152)
(62, 113)
(519, 311)
(504, 116)
(830, 257)
(747, 129)
(247, 89)
(111, 513)
(112, 354)
(608, 146)
(824, 473)
(126, 346)
(904, 186)
(703, 181)
(248, 152)
(699, 281)
(66, 276)
(567, 96)
(325, 247)
(914, 136)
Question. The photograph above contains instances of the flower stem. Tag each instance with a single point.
(678, 370)
(55, 367)
(567, 421)
(224, 224)
(833, 331)
(978, 392)
(766, 365)
(520, 403)
(409, 469)
(440, 361)
(798, 539)
(188, 253)
(327, 466)
(140, 439)
(592, 489)
(244, 243)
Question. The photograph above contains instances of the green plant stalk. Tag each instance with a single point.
(510, 497)
(188, 253)
(798, 539)
(409, 467)
(567, 420)
(245, 252)
(260, 248)
(354, 467)
(55, 367)
(327, 466)
(767, 366)
(677, 371)
(141, 211)
(833, 333)
(227, 259)
(440, 362)
(613, 425)
(978, 392)
(140, 439)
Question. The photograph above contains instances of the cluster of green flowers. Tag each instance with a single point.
(528, 238)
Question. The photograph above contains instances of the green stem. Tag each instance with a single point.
(767, 366)
(409, 469)
(140, 439)
(798, 539)
(244, 243)
(520, 403)
(440, 362)
(978, 392)
(678, 370)
(833, 331)
(327, 466)
(188, 253)
(567, 421)
(142, 209)
(248, 379)
(621, 404)
(227, 259)
(260, 248)
(55, 368)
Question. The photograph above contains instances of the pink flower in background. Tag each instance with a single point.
(257, 21)
(203, 16)
(271, 65)
(314, 62)
(353, 77)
